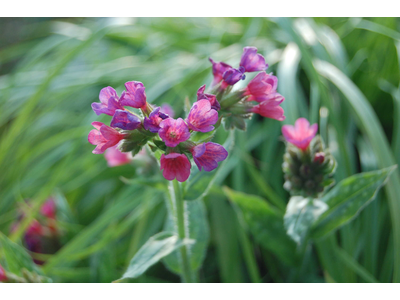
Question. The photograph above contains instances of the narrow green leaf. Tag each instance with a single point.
(348, 198)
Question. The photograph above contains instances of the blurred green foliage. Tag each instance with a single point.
(342, 73)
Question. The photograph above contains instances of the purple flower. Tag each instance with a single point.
(201, 116)
(168, 110)
(125, 120)
(103, 137)
(300, 134)
(134, 96)
(173, 132)
(218, 69)
(212, 98)
(207, 155)
(270, 108)
(152, 123)
(109, 102)
(232, 76)
(251, 61)
(260, 87)
(175, 165)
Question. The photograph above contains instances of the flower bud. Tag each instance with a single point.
(3, 276)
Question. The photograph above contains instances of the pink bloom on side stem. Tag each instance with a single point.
(218, 70)
(300, 134)
(173, 132)
(212, 98)
(175, 165)
(270, 108)
(109, 102)
(207, 155)
(116, 158)
(260, 87)
(168, 110)
(251, 61)
(103, 137)
(3, 276)
(201, 116)
(134, 96)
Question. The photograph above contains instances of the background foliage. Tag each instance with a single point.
(342, 73)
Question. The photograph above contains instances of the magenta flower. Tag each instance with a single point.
(251, 61)
(175, 165)
(300, 134)
(201, 116)
(168, 110)
(48, 209)
(116, 158)
(207, 155)
(125, 120)
(212, 98)
(270, 108)
(104, 137)
(173, 132)
(109, 102)
(134, 96)
(218, 69)
(3, 276)
(260, 87)
(152, 123)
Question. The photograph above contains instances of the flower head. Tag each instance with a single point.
(212, 98)
(134, 96)
(152, 123)
(103, 137)
(109, 102)
(175, 165)
(3, 276)
(125, 120)
(201, 116)
(218, 70)
(270, 108)
(251, 61)
(168, 110)
(260, 87)
(300, 134)
(116, 158)
(207, 155)
(173, 132)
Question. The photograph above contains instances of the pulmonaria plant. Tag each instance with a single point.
(308, 166)
(136, 123)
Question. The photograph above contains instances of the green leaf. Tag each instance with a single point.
(17, 258)
(157, 247)
(348, 198)
(300, 215)
(266, 224)
(198, 229)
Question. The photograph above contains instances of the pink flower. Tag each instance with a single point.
(300, 134)
(212, 98)
(134, 96)
(48, 209)
(168, 110)
(270, 108)
(260, 87)
(251, 61)
(116, 158)
(103, 137)
(125, 120)
(218, 70)
(201, 116)
(175, 165)
(207, 155)
(3, 276)
(173, 132)
(152, 123)
(109, 102)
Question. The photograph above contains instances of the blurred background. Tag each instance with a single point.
(342, 73)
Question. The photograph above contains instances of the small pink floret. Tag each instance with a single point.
(300, 134)
(175, 165)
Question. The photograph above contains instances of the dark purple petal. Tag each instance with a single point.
(212, 98)
(251, 61)
(218, 69)
(125, 120)
(232, 76)
(152, 123)
(208, 155)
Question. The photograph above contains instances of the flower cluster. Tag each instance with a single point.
(308, 166)
(177, 139)
(41, 236)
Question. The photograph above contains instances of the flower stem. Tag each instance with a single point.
(187, 274)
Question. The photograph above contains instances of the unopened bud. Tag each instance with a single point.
(319, 157)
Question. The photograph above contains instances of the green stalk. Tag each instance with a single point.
(187, 274)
